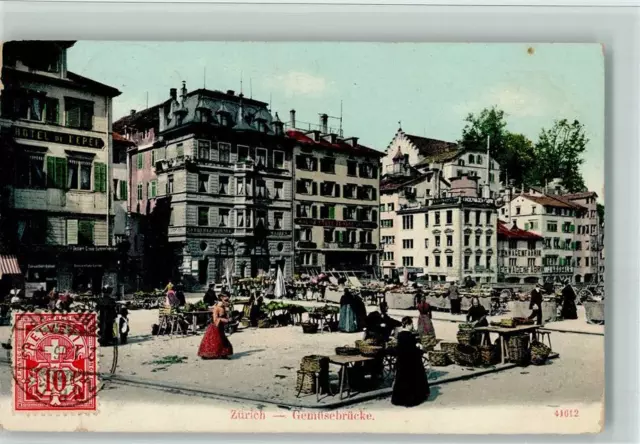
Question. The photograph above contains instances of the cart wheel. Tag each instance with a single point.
(506, 294)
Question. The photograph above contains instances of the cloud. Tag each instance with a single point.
(516, 101)
(295, 83)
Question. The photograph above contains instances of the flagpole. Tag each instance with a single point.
(488, 167)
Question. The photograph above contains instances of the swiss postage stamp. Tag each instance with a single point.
(55, 362)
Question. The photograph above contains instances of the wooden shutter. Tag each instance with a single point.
(332, 212)
(51, 172)
(154, 188)
(72, 231)
(123, 190)
(72, 113)
(61, 173)
(100, 177)
(85, 232)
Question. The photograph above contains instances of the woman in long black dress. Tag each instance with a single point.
(477, 313)
(569, 310)
(410, 387)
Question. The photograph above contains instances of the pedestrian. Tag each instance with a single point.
(347, 319)
(569, 310)
(169, 287)
(215, 344)
(388, 323)
(535, 305)
(425, 322)
(182, 300)
(454, 298)
(410, 386)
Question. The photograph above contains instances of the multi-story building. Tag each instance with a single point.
(451, 237)
(519, 255)
(588, 242)
(447, 158)
(554, 218)
(120, 185)
(57, 167)
(336, 200)
(224, 168)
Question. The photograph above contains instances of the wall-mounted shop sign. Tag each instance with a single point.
(20, 132)
(335, 223)
(209, 230)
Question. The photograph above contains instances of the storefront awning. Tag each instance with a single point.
(9, 265)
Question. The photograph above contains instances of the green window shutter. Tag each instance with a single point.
(526, 226)
(332, 212)
(573, 228)
(139, 159)
(123, 190)
(100, 177)
(154, 188)
(61, 173)
(85, 232)
(51, 172)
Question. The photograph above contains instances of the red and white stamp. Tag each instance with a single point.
(55, 362)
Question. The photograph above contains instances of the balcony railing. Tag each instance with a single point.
(306, 245)
(482, 269)
(366, 246)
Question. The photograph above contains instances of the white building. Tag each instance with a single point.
(519, 255)
(588, 241)
(57, 141)
(448, 158)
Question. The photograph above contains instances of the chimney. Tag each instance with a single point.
(173, 93)
(231, 92)
(183, 91)
(132, 112)
(292, 118)
(324, 123)
(353, 141)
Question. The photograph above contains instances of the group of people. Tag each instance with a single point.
(174, 295)
(54, 300)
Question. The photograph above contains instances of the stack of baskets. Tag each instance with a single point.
(264, 323)
(309, 366)
(245, 323)
(539, 353)
(467, 355)
(489, 354)
(428, 342)
(438, 358)
(518, 347)
(369, 347)
(347, 351)
(309, 327)
(450, 349)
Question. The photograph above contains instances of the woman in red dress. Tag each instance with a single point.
(215, 344)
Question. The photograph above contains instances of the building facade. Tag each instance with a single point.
(57, 140)
(588, 239)
(336, 201)
(224, 172)
(519, 255)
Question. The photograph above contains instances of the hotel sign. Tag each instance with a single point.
(20, 132)
(335, 223)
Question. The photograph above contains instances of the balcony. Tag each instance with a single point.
(482, 269)
(367, 246)
(520, 270)
(306, 245)
(53, 199)
(280, 234)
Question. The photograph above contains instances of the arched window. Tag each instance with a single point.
(471, 159)
(461, 162)
(479, 159)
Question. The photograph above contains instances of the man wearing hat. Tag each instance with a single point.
(536, 304)
(454, 298)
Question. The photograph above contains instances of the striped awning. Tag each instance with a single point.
(9, 265)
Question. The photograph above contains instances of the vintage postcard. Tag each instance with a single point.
(302, 237)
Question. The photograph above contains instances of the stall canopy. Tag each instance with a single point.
(9, 265)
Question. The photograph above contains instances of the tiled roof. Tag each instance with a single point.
(142, 120)
(505, 232)
(441, 157)
(398, 155)
(575, 196)
(553, 201)
(392, 183)
(430, 147)
(339, 146)
(117, 137)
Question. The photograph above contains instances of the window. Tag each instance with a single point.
(426, 243)
(491, 178)
(170, 184)
(352, 167)
(243, 153)
(278, 159)
(437, 214)
(437, 258)
(478, 260)
(140, 197)
(449, 261)
(30, 169)
(306, 162)
(467, 217)
(79, 113)
(204, 149)
(488, 221)
(449, 217)
(479, 159)
(223, 185)
(407, 261)
(261, 188)
(426, 220)
(466, 240)
(224, 217)
(586, 261)
(533, 209)
(459, 173)
(478, 241)
(203, 216)
(552, 226)
(407, 244)
(390, 207)
(139, 161)
(203, 183)
(386, 223)
(224, 150)
(154, 188)
(531, 245)
(449, 240)
(478, 215)
(261, 218)
(278, 190)
(328, 165)
(407, 222)
(471, 159)
(461, 162)
(556, 242)
(388, 255)
(86, 232)
(437, 241)
(517, 211)
(488, 240)
(513, 244)
(261, 157)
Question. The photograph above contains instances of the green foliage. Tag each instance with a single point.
(600, 209)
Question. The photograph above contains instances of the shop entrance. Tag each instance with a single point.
(87, 278)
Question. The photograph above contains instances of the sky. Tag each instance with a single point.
(429, 88)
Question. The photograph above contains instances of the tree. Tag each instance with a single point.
(558, 155)
(513, 152)
(600, 209)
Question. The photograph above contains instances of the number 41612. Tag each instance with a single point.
(567, 413)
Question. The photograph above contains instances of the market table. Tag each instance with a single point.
(194, 319)
(345, 362)
(520, 309)
(504, 333)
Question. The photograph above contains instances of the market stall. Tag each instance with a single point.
(521, 309)
(594, 312)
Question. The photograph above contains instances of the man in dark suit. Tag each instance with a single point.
(536, 304)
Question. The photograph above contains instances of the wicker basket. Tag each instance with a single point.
(489, 354)
(314, 363)
(467, 355)
(371, 350)
(347, 351)
(264, 323)
(450, 349)
(507, 323)
(465, 337)
(465, 326)
(438, 358)
(539, 353)
(428, 342)
(309, 327)
(523, 321)
(306, 382)
(245, 322)
(518, 347)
